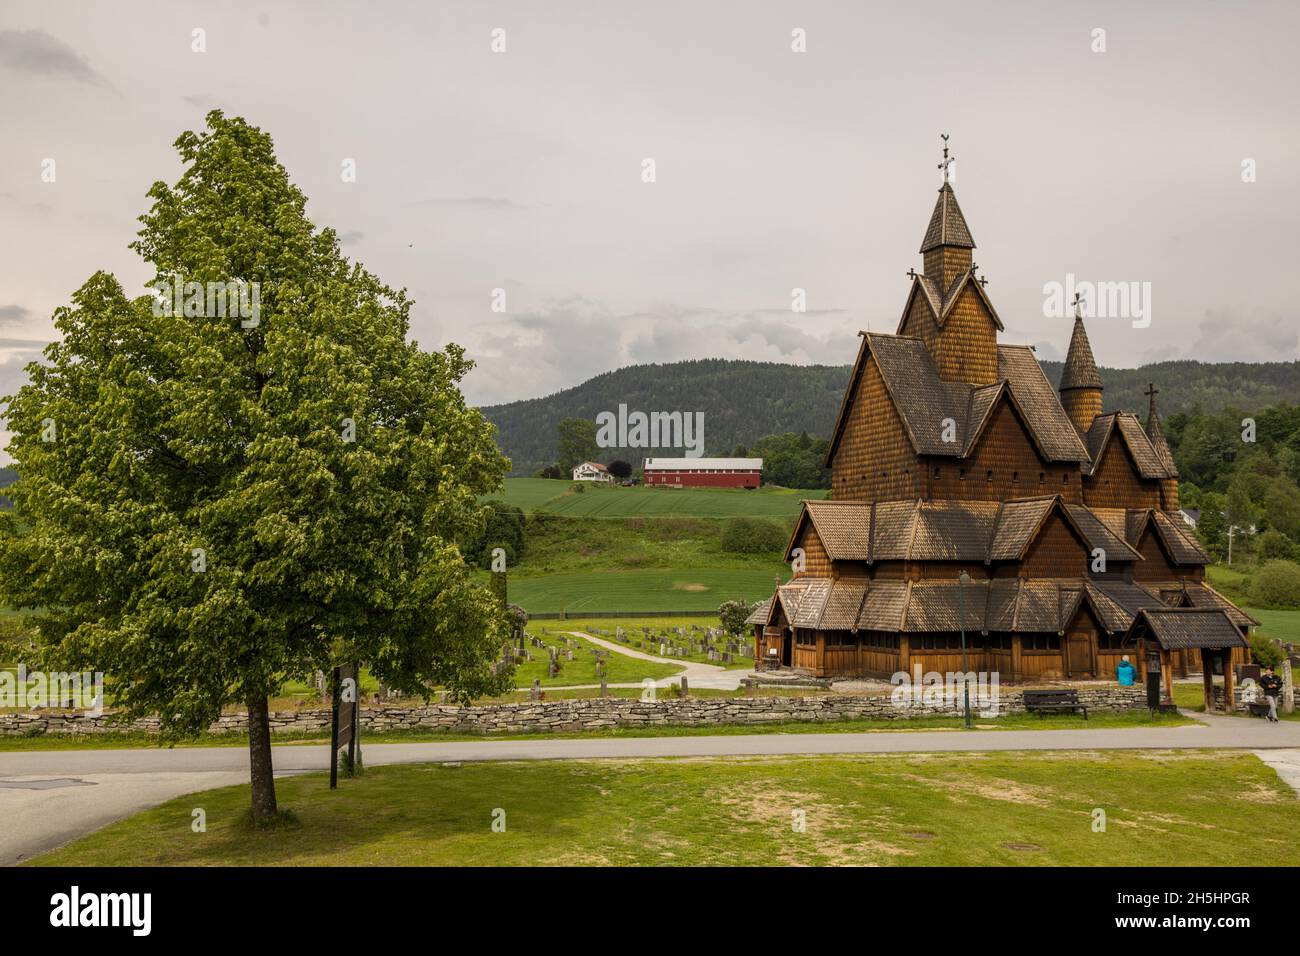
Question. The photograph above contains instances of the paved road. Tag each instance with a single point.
(121, 782)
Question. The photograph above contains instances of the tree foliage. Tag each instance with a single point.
(211, 506)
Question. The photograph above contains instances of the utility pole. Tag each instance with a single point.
(1231, 528)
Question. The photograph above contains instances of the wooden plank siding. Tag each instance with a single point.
(874, 460)
(1003, 464)
(1116, 483)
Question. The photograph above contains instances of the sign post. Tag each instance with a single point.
(345, 720)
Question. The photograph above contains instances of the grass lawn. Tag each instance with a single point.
(1231, 582)
(1100, 720)
(596, 501)
(632, 626)
(952, 809)
(649, 591)
(620, 668)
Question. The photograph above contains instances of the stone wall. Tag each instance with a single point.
(584, 714)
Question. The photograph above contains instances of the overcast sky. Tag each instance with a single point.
(522, 170)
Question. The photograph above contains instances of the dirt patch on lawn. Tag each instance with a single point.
(816, 832)
(1005, 791)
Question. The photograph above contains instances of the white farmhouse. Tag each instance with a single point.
(592, 471)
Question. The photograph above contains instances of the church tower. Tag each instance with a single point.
(1080, 381)
(1168, 486)
(948, 308)
(947, 245)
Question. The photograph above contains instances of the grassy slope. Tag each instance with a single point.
(648, 564)
(604, 501)
(950, 809)
(1282, 624)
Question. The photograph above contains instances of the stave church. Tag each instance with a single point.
(969, 495)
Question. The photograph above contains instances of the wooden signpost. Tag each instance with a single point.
(346, 719)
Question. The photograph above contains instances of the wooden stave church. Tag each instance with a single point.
(952, 453)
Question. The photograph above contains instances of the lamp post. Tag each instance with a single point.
(962, 580)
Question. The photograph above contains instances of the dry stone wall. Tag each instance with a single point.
(572, 715)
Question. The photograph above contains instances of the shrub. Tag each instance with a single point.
(732, 614)
(1276, 584)
(752, 536)
(1265, 651)
(1273, 544)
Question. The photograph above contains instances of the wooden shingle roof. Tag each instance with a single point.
(1116, 603)
(760, 612)
(1149, 462)
(947, 530)
(1188, 628)
(1051, 427)
(1200, 594)
(1080, 369)
(947, 224)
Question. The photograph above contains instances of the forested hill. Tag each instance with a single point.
(743, 401)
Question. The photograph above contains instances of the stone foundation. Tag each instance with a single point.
(583, 714)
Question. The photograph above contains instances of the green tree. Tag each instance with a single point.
(1212, 528)
(212, 505)
(503, 528)
(575, 443)
(741, 535)
(1276, 584)
(733, 614)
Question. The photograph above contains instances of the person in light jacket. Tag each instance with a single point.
(1126, 672)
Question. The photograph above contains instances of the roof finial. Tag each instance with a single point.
(1078, 304)
(1151, 394)
(947, 160)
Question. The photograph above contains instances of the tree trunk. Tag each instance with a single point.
(259, 759)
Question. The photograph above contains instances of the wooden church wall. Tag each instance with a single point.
(1003, 464)
(1116, 483)
(874, 460)
(1057, 552)
(968, 347)
(816, 561)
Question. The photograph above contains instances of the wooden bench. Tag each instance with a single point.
(1042, 702)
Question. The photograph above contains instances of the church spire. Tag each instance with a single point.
(1155, 432)
(947, 244)
(1080, 381)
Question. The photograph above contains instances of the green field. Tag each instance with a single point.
(900, 809)
(1231, 582)
(605, 501)
(619, 669)
(651, 591)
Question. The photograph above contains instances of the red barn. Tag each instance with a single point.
(704, 472)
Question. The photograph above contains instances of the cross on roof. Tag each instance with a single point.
(1078, 305)
(947, 160)
(1151, 391)
(913, 274)
(974, 267)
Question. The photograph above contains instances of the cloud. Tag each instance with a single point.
(1260, 337)
(13, 314)
(571, 340)
(487, 203)
(41, 54)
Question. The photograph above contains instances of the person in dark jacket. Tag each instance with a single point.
(1271, 685)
